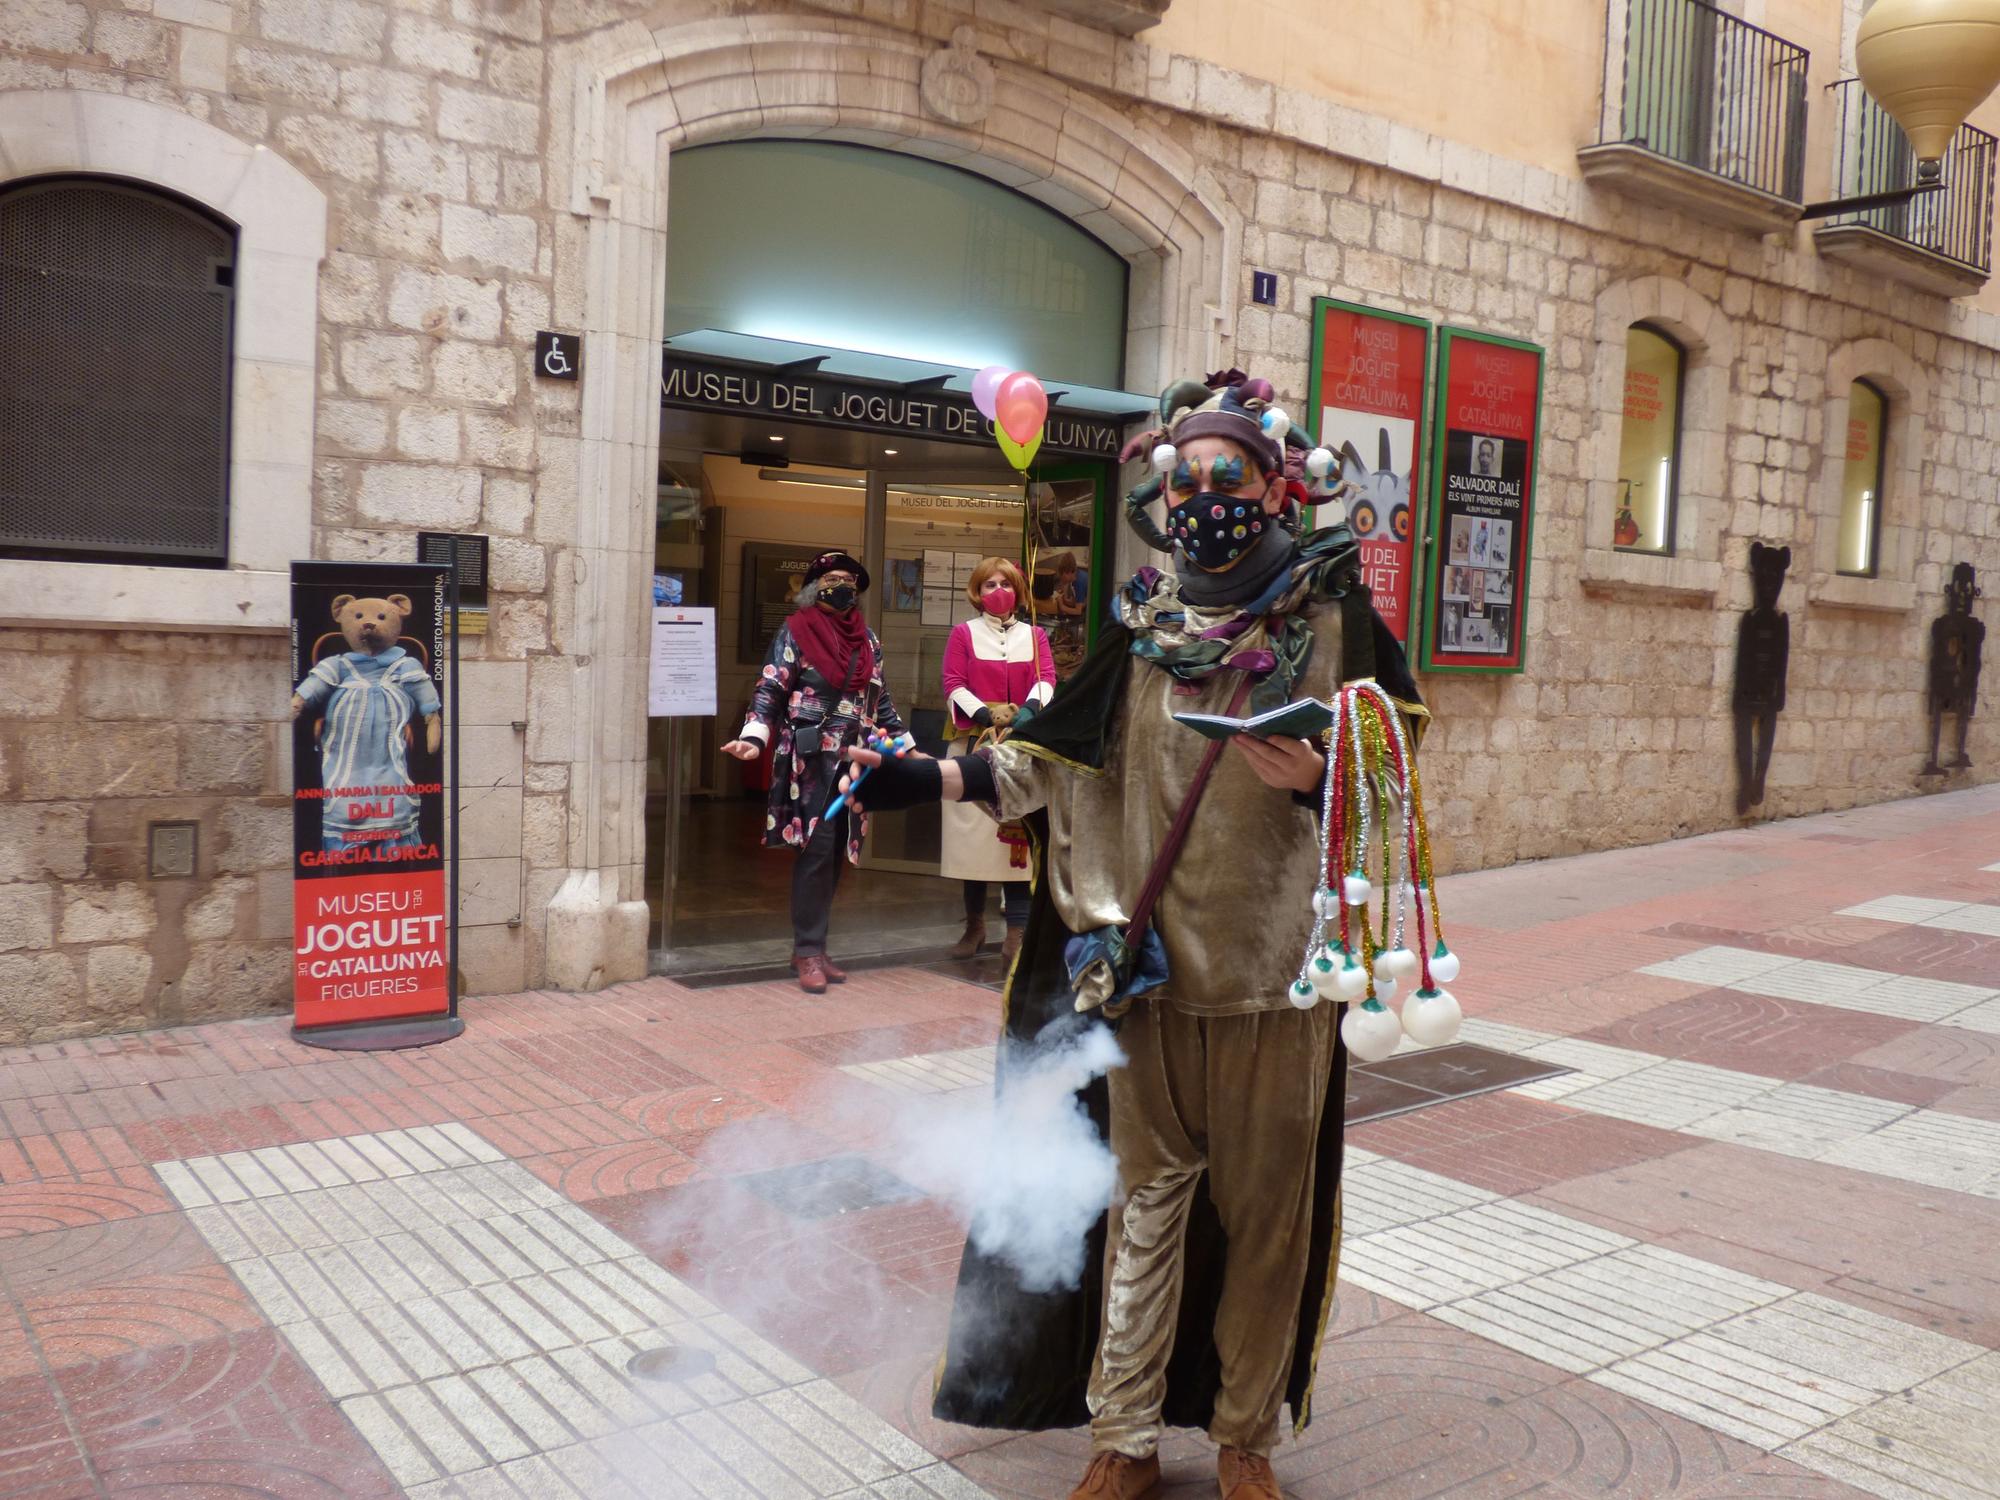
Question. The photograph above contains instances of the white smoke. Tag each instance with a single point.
(1025, 1167)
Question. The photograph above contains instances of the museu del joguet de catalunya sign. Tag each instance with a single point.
(799, 396)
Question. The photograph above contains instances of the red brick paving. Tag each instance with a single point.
(131, 1364)
(1753, 1033)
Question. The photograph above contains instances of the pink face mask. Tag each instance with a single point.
(999, 602)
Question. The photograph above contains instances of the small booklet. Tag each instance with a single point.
(1298, 721)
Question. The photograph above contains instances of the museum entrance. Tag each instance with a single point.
(816, 392)
(743, 507)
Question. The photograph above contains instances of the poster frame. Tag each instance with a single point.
(1449, 337)
(1419, 458)
(423, 1028)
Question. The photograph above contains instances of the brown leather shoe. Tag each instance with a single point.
(811, 970)
(1246, 1476)
(1011, 944)
(1113, 1476)
(834, 973)
(971, 940)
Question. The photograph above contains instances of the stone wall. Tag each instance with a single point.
(444, 136)
(101, 734)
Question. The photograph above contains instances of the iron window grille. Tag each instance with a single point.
(1954, 222)
(1712, 92)
(116, 327)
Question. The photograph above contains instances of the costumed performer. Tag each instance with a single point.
(820, 691)
(995, 664)
(1226, 1118)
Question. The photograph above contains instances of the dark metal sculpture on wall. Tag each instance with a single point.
(1763, 650)
(1956, 641)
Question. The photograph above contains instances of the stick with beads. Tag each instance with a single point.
(1372, 799)
(895, 746)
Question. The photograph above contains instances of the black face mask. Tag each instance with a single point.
(841, 597)
(1213, 530)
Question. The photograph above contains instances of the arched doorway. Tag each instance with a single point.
(1123, 181)
(827, 305)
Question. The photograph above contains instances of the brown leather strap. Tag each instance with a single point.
(1170, 847)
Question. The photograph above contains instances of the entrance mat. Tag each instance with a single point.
(1435, 1075)
(835, 1185)
(983, 969)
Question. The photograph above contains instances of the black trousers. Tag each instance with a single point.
(814, 879)
(1014, 895)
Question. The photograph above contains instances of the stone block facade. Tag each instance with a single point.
(487, 168)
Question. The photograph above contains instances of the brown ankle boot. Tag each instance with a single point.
(1113, 1476)
(971, 940)
(1246, 1476)
(1011, 944)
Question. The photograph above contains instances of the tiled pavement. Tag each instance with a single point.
(1744, 1248)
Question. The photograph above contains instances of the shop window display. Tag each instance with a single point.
(1861, 487)
(1649, 443)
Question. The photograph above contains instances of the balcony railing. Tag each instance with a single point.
(1954, 222)
(1699, 87)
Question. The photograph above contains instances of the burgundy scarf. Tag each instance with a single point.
(835, 646)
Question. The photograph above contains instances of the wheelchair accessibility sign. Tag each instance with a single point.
(558, 356)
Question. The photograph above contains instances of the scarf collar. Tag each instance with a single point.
(837, 647)
(1258, 631)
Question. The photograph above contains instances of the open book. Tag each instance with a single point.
(1298, 721)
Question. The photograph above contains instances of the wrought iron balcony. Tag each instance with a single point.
(1942, 240)
(1703, 112)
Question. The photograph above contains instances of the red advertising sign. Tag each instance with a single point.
(1483, 503)
(1366, 403)
(371, 914)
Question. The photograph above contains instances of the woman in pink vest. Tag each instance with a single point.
(994, 665)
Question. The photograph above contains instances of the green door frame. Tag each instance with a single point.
(1099, 473)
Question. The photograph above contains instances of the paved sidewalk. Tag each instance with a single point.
(1744, 1247)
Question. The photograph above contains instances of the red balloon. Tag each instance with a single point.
(1021, 406)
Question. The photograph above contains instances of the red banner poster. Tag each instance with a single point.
(1483, 503)
(371, 914)
(1366, 403)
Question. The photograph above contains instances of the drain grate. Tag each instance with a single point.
(670, 1362)
(1436, 1075)
(836, 1185)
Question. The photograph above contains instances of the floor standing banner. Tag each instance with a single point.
(373, 728)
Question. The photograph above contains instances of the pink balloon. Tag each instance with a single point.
(986, 386)
(1021, 407)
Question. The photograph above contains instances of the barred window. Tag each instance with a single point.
(116, 305)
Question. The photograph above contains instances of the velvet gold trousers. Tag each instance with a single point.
(1241, 1097)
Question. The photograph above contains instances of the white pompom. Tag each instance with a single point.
(1444, 965)
(1357, 890)
(1164, 457)
(1385, 990)
(1403, 965)
(1371, 1031)
(1385, 971)
(1319, 462)
(1276, 422)
(1323, 969)
(1431, 1017)
(1352, 980)
(1302, 994)
(1326, 904)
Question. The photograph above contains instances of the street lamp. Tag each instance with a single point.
(1929, 64)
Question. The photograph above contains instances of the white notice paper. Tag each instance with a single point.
(681, 680)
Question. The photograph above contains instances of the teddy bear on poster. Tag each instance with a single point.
(368, 698)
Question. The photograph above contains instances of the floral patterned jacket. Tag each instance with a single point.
(809, 722)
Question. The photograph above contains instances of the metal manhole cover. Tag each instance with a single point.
(671, 1362)
(836, 1185)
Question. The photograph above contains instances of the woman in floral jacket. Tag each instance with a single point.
(820, 691)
